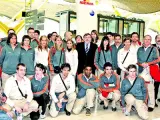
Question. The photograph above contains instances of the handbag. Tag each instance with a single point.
(57, 69)
(155, 72)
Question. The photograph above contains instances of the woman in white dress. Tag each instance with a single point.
(42, 52)
(71, 57)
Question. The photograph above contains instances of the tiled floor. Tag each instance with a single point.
(105, 115)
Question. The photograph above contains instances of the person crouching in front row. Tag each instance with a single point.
(109, 86)
(134, 93)
(87, 83)
(62, 92)
(39, 85)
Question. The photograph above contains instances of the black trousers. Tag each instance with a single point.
(156, 88)
(42, 101)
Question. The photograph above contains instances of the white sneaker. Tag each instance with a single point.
(42, 116)
(127, 113)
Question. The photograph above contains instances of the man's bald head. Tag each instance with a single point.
(68, 35)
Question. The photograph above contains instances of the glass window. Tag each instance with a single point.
(73, 23)
(108, 25)
(130, 27)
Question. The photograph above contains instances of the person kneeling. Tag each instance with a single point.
(87, 83)
(62, 92)
(109, 86)
(39, 84)
(134, 93)
(19, 93)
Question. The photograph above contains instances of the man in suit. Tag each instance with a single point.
(86, 53)
(156, 84)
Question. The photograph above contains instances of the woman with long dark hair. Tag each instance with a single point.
(95, 37)
(102, 55)
(9, 57)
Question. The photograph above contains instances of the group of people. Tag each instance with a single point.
(67, 75)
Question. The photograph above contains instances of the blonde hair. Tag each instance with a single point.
(40, 46)
(56, 46)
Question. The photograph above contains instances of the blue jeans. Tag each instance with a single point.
(63, 103)
(4, 116)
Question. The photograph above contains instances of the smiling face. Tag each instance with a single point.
(134, 38)
(21, 71)
(69, 44)
(147, 40)
(132, 72)
(38, 71)
(108, 70)
(127, 43)
(53, 37)
(36, 36)
(118, 40)
(78, 39)
(58, 41)
(158, 39)
(13, 40)
(88, 71)
(26, 42)
(44, 41)
(65, 71)
(94, 36)
(31, 33)
(87, 39)
(105, 42)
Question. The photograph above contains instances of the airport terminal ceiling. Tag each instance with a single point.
(135, 6)
(11, 7)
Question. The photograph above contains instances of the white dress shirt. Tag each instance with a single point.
(57, 86)
(12, 92)
(131, 58)
(41, 56)
(72, 58)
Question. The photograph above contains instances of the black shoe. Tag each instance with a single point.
(158, 100)
(114, 109)
(49, 107)
(150, 109)
(105, 108)
(34, 115)
(101, 103)
(67, 112)
(156, 105)
(88, 112)
(110, 100)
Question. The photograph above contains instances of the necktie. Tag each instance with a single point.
(86, 48)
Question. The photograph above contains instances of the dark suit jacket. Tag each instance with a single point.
(86, 59)
(158, 50)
